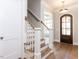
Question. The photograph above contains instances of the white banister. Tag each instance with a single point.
(37, 43)
(51, 38)
(30, 39)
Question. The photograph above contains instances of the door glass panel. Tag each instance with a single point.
(68, 19)
(63, 19)
(63, 25)
(67, 31)
(67, 25)
(63, 31)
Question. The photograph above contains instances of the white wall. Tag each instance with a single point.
(73, 10)
(46, 8)
(35, 7)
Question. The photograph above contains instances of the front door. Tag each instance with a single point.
(66, 29)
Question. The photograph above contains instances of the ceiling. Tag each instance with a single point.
(54, 4)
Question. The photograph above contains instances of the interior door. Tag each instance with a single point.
(9, 28)
(66, 29)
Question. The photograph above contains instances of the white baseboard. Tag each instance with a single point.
(56, 40)
(74, 43)
(37, 54)
(11, 56)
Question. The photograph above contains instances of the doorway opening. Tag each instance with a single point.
(66, 33)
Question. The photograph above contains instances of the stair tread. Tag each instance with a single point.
(32, 57)
(42, 45)
(42, 42)
(51, 56)
(45, 51)
(43, 48)
(42, 39)
(30, 50)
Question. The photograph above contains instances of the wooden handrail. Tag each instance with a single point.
(30, 24)
(37, 18)
(44, 25)
(33, 15)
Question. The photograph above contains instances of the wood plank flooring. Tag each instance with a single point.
(64, 51)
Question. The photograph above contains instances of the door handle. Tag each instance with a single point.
(1, 38)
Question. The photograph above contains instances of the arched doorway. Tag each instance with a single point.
(66, 33)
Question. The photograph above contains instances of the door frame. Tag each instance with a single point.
(71, 27)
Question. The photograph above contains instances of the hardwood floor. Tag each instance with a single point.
(64, 51)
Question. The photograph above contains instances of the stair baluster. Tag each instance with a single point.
(37, 52)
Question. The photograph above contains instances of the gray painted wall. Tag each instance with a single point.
(33, 21)
(35, 7)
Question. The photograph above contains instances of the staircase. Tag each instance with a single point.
(45, 50)
(30, 44)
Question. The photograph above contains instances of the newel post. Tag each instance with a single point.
(37, 43)
(51, 38)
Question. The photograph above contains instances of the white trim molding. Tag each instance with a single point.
(57, 40)
(37, 55)
(74, 43)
